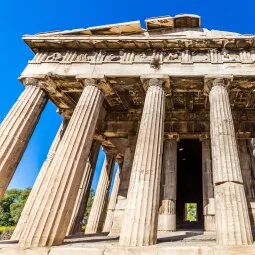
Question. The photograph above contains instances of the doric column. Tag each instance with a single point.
(167, 210)
(52, 211)
(17, 128)
(118, 215)
(112, 202)
(208, 191)
(75, 225)
(141, 215)
(246, 167)
(98, 209)
(41, 179)
(232, 219)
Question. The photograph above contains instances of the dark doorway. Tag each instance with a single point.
(189, 204)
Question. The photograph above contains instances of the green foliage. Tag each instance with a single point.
(89, 205)
(191, 212)
(5, 229)
(11, 206)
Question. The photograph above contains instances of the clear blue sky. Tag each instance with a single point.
(18, 17)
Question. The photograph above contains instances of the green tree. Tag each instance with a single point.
(11, 206)
(89, 205)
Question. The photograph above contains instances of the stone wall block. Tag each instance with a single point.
(141, 215)
(48, 223)
(16, 130)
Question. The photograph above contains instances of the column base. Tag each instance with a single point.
(118, 216)
(209, 223)
(167, 222)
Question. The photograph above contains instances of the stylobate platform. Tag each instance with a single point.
(174, 243)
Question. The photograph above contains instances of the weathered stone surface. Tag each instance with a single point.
(208, 190)
(76, 222)
(140, 221)
(42, 179)
(232, 219)
(17, 128)
(112, 202)
(98, 209)
(167, 210)
(118, 215)
(246, 167)
(48, 223)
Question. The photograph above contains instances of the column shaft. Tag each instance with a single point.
(98, 209)
(42, 178)
(49, 220)
(246, 166)
(232, 219)
(118, 215)
(112, 202)
(75, 225)
(208, 191)
(141, 215)
(167, 210)
(17, 128)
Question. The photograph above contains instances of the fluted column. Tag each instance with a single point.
(112, 202)
(51, 214)
(41, 179)
(246, 166)
(208, 191)
(232, 219)
(17, 128)
(75, 225)
(118, 215)
(141, 215)
(98, 209)
(167, 209)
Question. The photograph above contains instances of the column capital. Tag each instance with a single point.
(172, 136)
(162, 81)
(29, 81)
(204, 136)
(91, 82)
(219, 80)
(65, 113)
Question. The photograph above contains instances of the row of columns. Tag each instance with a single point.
(46, 219)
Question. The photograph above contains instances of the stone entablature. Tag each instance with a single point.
(124, 56)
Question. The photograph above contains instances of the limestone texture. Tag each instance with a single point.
(141, 215)
(98, 210)
(51, 215)
(17, 128)
(231, 212)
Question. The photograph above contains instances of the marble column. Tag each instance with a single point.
(17, 128)
(48, 222)
(98, 210)
(119, 210)
(246, 167)
(112, 202)
(41, 179)
(208, 191)
(167, 210)
(231, 212)
(75, 226)
(141, 215)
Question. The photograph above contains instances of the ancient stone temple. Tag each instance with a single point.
(173, 105)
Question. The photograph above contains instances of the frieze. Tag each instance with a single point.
(187, 56)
